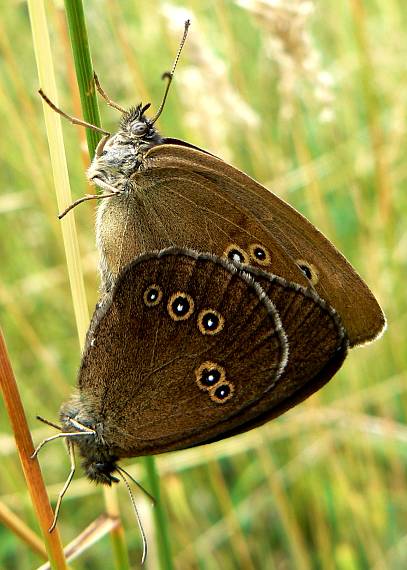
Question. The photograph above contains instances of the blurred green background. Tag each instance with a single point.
(309, 97)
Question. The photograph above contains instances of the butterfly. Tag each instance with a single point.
(221, 306)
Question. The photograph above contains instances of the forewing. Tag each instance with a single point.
(332, 275)
(169, 206)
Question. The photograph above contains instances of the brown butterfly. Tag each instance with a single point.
(221, 305)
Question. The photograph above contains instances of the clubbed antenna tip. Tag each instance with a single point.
(168, 75)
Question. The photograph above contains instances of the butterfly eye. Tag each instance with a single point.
(234, 253)
(309, 270)
(139, 128)
(259, 254)
(152, 295)
(306, 270)
(210, 321)
(209, 375)
(222, 393)
(180, 306)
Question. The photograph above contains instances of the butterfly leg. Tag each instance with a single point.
(44, 421)
(81, 427)
(58, 436)
(105, 186)
(71, 454)
(84, 199)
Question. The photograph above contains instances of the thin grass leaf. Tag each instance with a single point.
(47, 80)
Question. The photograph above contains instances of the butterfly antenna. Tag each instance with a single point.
(73, 120)
(105, 96)
(143, 536)
(168, 75)
(152, 499)
(71, 454)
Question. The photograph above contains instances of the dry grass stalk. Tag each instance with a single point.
(211, 105)
(291, 46)
(92, 534)
(31, 468)
(18, 527)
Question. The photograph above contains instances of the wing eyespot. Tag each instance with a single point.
(259, 254)
(152, 295)
(209, 374)
(211, 378)
(236, 254)
(222, 393)
(210, 322)
(180, 306)
(309, 270)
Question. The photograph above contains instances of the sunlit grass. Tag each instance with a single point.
(323, 486)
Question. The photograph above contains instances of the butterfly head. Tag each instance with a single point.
(100, 471)
(136, 126)
(120, 155)
(98, 459)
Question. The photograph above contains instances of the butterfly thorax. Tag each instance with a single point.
(120, 155)
(98, 459)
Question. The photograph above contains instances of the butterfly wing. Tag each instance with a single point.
(317, 347)
(331, 274)
(317, 343)
(169, 206)
(183, 343)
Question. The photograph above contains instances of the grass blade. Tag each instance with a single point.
(84, 69)
(61, 181)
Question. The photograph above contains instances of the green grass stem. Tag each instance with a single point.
(84, 69)
(161, 523)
